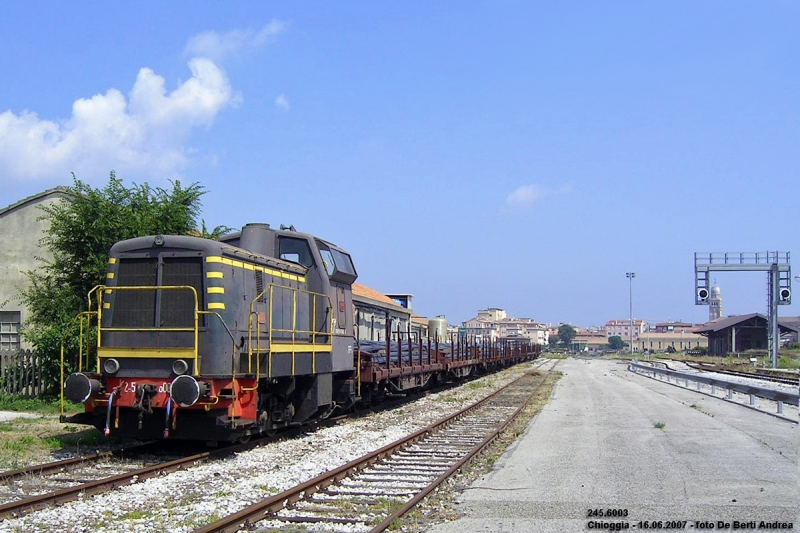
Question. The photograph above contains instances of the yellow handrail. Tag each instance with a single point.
(255, 332)
(195, 328)
(79, 319)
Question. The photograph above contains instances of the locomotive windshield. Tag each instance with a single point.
(343, 262)
(338, 264)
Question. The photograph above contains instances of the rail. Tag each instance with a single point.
(753, 391)
(493, 422)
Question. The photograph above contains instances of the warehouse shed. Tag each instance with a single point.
(742, 332)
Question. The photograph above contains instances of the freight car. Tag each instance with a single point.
(220, 340)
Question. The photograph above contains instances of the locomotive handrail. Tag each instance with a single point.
(233, 358)
(194, 329)
(230, 334)
(78, 318)
(255, 333)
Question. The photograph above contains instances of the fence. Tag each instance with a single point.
(753, 391)
(20, 373)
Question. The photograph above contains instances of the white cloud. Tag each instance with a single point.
(527, 195)
(219, 46)
(281, 102)
(147, 134)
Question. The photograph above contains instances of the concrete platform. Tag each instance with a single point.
(5, 416)
(595, 446)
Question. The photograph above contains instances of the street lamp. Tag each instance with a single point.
(630, 276)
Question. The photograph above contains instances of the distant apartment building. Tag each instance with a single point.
(494, 323)
(589, 341)
(669, 327)
(625, 327)
(525, 327)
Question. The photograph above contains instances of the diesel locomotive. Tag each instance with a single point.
(220, 340)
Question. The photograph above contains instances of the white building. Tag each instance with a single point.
(494, 323)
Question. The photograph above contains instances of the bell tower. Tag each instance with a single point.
(714, 303)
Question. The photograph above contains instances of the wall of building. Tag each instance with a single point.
(21, 230)
(660, 341)
(622, 328)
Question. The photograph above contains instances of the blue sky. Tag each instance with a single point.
(513, 154)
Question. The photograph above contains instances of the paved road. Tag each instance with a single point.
(595, 446)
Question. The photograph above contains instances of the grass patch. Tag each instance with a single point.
(10, 402)
(449, 398)
(267, 489)
(659, 425)
(388, 505)
(28, 441)
(695, 406)
(134, 515)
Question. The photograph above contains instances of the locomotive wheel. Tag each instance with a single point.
(266, 426)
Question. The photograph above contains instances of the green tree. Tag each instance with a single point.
(83, 226)
(615, 342)
(566, 333)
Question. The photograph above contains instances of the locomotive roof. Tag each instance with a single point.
(287, 232)
(207, 247)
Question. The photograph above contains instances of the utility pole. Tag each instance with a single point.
(630, 276)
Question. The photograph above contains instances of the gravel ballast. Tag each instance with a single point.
(185, 500)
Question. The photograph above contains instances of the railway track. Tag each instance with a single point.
(370, 493)
(69, 464)
(751, 375)
(36, 487)
(73, 475)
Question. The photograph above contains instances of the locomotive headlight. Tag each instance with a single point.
(78, 387)
(180, 367)
(111, 366)
(186, 390)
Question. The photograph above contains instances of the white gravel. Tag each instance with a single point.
(185, 500)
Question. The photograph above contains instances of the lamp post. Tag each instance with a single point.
(630, 276)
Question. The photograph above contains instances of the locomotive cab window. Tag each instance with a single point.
(296, 251)
(327, 259)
